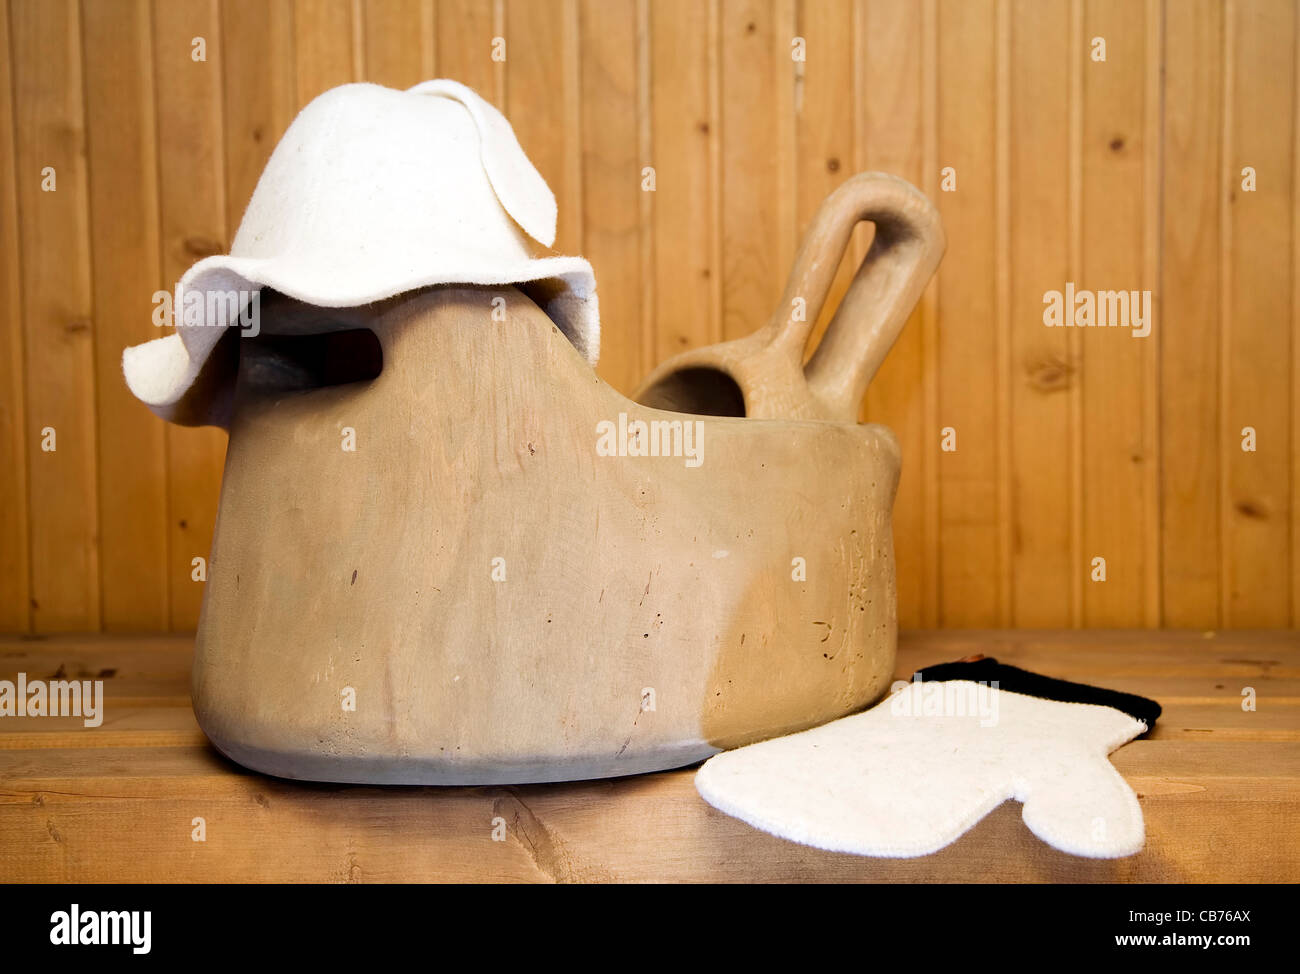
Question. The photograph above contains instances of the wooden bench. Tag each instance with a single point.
(1219, 785)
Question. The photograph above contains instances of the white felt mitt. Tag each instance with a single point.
(912, 774)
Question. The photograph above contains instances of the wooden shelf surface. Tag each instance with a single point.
(1219, 786)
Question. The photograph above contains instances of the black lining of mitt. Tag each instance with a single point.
(1015, 680)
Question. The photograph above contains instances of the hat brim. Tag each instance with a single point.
(164, 373)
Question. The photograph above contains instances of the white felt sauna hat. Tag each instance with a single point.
(373, 192)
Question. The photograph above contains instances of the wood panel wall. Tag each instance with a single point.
(1072, 444)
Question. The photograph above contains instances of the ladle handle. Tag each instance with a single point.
(908, 244)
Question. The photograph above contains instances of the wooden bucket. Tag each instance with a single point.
(476, 567)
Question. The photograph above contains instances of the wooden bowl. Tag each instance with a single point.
(497, 600)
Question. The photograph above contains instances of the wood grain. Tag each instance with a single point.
(192, 213)
(15, 568)
(1191, 546)
(122, 163)
(1071, 443)
(325, 46)
(58, 337)
(891, 132)
(398, 41)
(685, 132)
(542, 41)
(970, 573)
(465, 29)
(1112, 365)
(1041, 368)
(752, 78)
(1217, 785)
(259, 91)
(612, 183)
(1256, 333)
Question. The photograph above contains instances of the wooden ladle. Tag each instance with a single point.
(762, 375)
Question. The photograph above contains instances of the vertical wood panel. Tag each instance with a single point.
(465, 31)
(398, 41)
(1002, 303)
(325, 46)
(192, 213)
(967, 349)
(825, 101)
(1113, 366)
(258, 91)
(1257, 333)
(611, 170)
(927, 309)
(1152, 228)
(751, 274)
(123, 170)
(59, 339)
(541, 41)
(685, 134)
(892, 133)
(1041, 370)
(783, 124)
(15, 605)
(1295, 335)
(1189, 293)
(1071, 443)
(645, 150)
(1078, 43)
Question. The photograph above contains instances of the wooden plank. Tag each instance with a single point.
(123, 168)
(1243, 655)
(1236, 653)
(1042, 372)
(200, 771)
(258, 92)
(891, 131)
(1295, 351)
(15, 577)
(1152, 231)
(612, 178)
(192, 215)
(1006, 541)
(59, 345)
(967, 350)
(1192, 711)
(136, 672)
(927, 310)
(124, 725)
(326, 47)
(541, 38)
(57, 828)
(1189, 295)
(763, 168)
(159, 665)
(1114, 394)
(752, 275)
(1256, 340)
(398, 41)
(1077, 43)
(825, 105)
(1217, 786)
(685, 129)
(466, 29)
